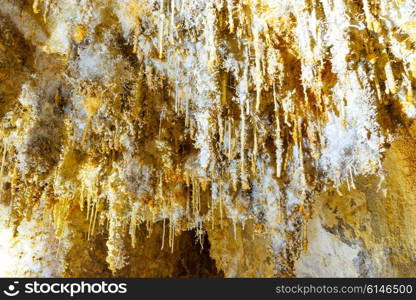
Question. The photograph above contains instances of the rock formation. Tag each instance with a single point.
(206, 138)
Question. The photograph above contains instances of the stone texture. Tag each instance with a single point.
(190, 138)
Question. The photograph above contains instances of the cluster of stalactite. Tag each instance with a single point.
(192, 112)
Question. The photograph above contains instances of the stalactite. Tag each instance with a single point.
(161, 27)
(242, 150)
(390, 84)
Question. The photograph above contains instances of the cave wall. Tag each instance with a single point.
(237, 138)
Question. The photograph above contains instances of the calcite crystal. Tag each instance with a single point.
(205, 138)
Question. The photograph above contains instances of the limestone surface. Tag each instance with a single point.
(207, 138)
